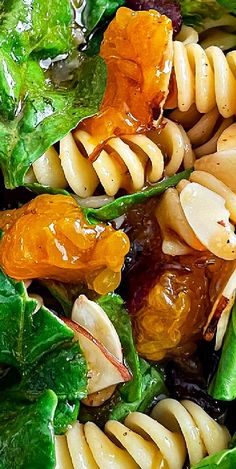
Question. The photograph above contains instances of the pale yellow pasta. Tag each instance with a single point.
(205, 77)
(203, 130)
(161, 441)
(220, 38)
(187, 35)
(220, 33)
(129, 162)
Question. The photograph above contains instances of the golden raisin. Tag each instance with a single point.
(167, 297)
(137, 49)
(172, 315)
(50, 238)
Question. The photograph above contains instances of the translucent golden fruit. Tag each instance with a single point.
(137, 49)
(50, 238)
(172, 314)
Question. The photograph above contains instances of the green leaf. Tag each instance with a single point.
(35, 112)
(26, 433)
(25, 336)
(48, 114)
(223, 386)
(64, 371)
(152, 386)
(121, 205)
(67, 293)
(113, 306)
(66, 414)
(36, 27)
(225, 459)
(97, 10)
(196, 12)
(229, 5)
(41, 189)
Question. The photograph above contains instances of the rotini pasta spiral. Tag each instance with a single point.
(161, 441)
(203, 130)
(205, 77)
(127, 162)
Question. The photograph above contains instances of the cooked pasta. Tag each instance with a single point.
(220, 32)
(163, 441)
(129, 162)
(187, 35)
(203, 130)
(205, 77)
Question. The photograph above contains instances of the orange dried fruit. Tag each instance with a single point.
(50, 238)
(138, 50)
(170, 319)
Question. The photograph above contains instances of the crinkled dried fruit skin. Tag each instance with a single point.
(50, 238)
(167, 297)
(137, 49)
(172, 315)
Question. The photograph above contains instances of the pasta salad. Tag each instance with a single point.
(117, 234)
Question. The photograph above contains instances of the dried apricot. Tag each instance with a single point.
(137, 49)
(50, 238)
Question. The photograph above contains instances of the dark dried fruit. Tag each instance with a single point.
(186, 381)
(165, 7)
(167, 297)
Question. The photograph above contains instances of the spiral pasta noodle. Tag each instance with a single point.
(205, 77)
(127, 162)
(163, 441)
(203, 130)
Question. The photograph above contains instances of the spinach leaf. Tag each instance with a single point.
(67, 293)
(48, 114)
(121, 205)
(225, 459)
(113, 306)
(36, 27)
(64, 371)
(65, 415)
(228, 5)
(25, 336)
(198, 12)
(35, 112)
(40, 346)
(26, 433)
(223, 386)
(97, 10)
(152, 386)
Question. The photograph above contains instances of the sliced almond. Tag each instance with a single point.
(93, 318)
(104, 369)
(209, 219)
(178, 237)
(215, 185)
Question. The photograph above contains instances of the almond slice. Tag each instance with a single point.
(209, 219)
(93, 318)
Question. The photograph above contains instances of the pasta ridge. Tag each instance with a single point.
(162, 440)
(206, 78)
(125, 163)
